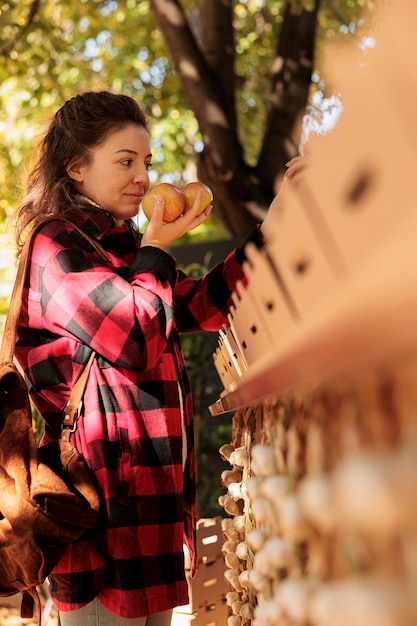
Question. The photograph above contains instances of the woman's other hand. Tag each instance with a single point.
(297, 167)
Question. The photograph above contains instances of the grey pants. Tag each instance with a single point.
(94, 614)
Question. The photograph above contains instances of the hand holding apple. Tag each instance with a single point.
(177, 202)
(160, 234)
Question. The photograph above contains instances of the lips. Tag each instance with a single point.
(136, 197)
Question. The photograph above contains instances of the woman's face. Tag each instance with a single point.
(116, 176)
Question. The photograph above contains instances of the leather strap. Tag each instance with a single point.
(73, 408)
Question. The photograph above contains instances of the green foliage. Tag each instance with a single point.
(210, 432)
(256, 35)
(65, 48)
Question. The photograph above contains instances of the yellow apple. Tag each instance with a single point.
(174, 201)
(189, 191)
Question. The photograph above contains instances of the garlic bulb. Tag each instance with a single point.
(375, 493)
(362, 602)
(259, 582)
(268, 612)
(235, 491)
(246, 611)
(254, 487)
(243, 578)
(239, 523)
(234, 620)
(232, 577)
(229, 546)
(229, 529)
(232, 560)
(229, 504)
(263, 460)
(239, 457)
(226, 450)
(315, 503)
(275, 487)
(226, 523)
(292, 522)
(236, 606)
(231, 476)
(273, 555)
(242, 551)
(293, 594)
(232, 596)
(264, 514)
(256, 538)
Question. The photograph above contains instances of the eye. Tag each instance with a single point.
(127, 162)
(148, 166)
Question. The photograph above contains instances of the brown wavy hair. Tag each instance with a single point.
(81, 124)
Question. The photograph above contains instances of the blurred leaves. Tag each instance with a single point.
(51, 51)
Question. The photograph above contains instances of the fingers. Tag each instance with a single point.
(296, 166)
(161, 234)
(194, 216)
(199, 219)
(157, 216)
(197, 202)
(189, 221)
(195, 209)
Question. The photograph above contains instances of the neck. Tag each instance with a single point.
(98, 206)
(91, 202)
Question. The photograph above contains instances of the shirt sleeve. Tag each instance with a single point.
(203, 304)
(126, 320)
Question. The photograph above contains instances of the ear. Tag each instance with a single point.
(75, 170)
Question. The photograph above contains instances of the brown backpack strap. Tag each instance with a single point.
(30, 599)
(9, 334)
(73, 408)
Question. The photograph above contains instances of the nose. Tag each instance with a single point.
(141, 175)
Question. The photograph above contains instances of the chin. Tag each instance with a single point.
(130, 212)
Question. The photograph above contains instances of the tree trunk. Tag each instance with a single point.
(202, 50)
(290, 84)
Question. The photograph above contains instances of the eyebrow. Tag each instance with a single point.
(128, 150)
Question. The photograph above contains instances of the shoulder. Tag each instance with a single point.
(53, 228)
(56, 235)
(49, 238)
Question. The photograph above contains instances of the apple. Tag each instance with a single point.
(174, 201)
(189, 191)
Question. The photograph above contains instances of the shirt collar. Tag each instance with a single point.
(97, 222)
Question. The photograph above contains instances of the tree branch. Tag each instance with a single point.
(208, 92)
(201, 85)
(292, 70)
(218, 46)
(8, 47)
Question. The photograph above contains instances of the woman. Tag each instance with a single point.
(136, 433)
(136, 429)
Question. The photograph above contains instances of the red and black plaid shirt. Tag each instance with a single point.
(130, 312)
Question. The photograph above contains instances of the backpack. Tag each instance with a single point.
(47, 495)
